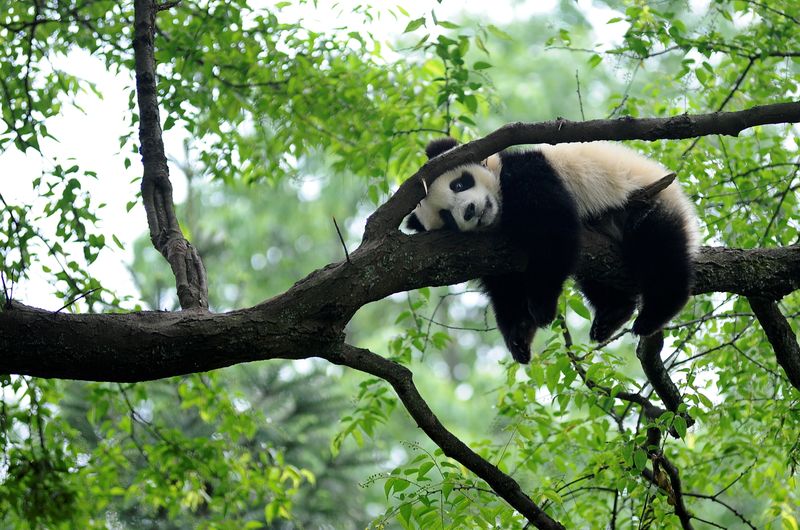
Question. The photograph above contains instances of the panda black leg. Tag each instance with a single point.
(655, 248)
(511, 312)
(612, 308)
(553, 258)
(543, 301)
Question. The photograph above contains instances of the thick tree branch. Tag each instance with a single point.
(165, 232)
(649, 353)
(303, 322)
(401, 380)
(308, 319)
(780, 335)
(389, 216)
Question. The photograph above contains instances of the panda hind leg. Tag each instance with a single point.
(655, 249)
(511, 313)
(612, 308)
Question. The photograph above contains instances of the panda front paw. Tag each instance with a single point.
(520, 352)
(518, 340)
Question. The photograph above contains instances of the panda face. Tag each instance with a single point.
(466, 198)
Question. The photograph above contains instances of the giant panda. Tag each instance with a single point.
(542, 199)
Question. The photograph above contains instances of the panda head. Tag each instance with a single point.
(465, 198)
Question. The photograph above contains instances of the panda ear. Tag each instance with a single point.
(439, 146)
(413, 223)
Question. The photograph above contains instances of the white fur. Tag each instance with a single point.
(601, 175)
(441, 197)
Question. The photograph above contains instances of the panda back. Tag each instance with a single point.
(602, 175)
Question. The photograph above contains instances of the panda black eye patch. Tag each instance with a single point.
(464, 182)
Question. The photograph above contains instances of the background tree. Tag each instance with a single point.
(289, 124)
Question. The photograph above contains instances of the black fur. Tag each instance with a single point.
(439, 146)
(414, 224)
(539, 214)
(463, 183)
(448, 220)
(655, 249)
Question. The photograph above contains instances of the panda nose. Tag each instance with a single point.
(469, 213)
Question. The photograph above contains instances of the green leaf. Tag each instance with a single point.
(552, 374)
(400, 485)
(414, 24)
(406, 511)
(423, 470)
(387, 487)
(553, 496)
(576, 304)
(117, 242)
(679, 422)
(640, 458)
(499, 33)
(447, 488)
(448, 25)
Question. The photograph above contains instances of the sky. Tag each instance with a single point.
(91, 137)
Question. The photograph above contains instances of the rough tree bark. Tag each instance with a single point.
(165, 232)
(308, 320)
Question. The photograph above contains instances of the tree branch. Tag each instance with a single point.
(309, 318)
(780, 335)
(649, 353)
(165, 232)
(401, 380)
(389, 216)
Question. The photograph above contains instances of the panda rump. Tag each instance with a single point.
(542, 199)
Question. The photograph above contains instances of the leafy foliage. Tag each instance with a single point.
(273, 106)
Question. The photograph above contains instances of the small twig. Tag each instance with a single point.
(84, 295)
(614, 509)
(677, 494)
(7, 292)
(778, 206)
(650, 410)
(167, 5)
(580, 99)
(625, 95)
(346, 253)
